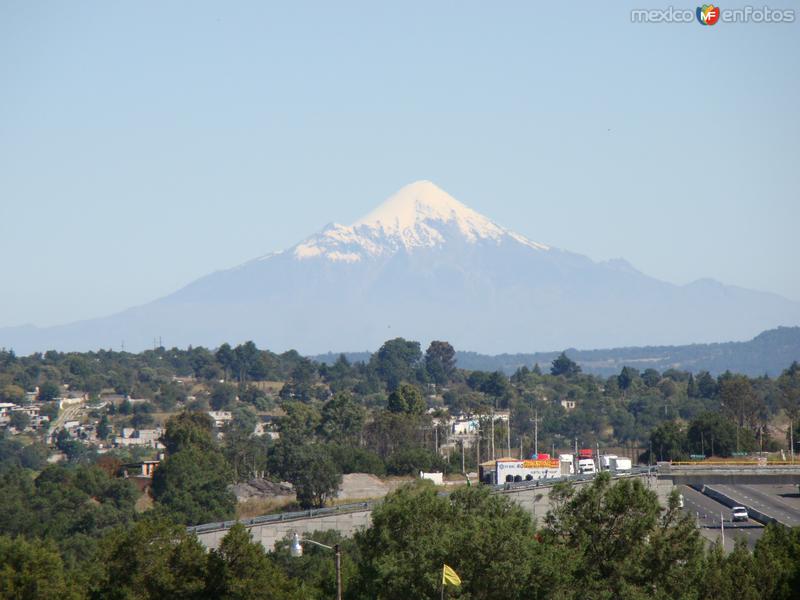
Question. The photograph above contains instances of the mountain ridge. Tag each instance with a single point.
(424, 266)
(770, 352)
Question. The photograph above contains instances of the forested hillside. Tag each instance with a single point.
(768, 353)
(80, 529)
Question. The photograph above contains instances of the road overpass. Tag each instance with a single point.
(728, 473)
(533, 497)
(349, 518)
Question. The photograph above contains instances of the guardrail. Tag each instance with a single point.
(726, 500)
(733, 463)
(369, 505)
(290, 516)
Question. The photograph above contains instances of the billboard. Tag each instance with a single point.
(527, 470)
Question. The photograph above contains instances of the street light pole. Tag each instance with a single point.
(296, 550)
(338, 560)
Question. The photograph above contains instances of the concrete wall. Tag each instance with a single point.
(535, 500)
(269, 533)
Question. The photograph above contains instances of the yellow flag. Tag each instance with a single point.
(449, 576)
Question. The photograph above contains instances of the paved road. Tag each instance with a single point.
(767, 499)
(708, 512)
(68, 414)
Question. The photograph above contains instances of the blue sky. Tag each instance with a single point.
(144, 144)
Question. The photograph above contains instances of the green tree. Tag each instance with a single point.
(495, 385)
(651, 378)
(315, 572)
(19, 420)
(410, 461)
(627, 378)
(777, 563)
(691, 387)
(389, 432)
(50, 410)
(103, 428)
(188, 429)
(241, 570)
(440, 362)
(245, 452)
(789, 385)
(712, 434)
(342, 419)
(12, 393)
(314, 474)
(619, 543)
(48, 391)
(669, 442)
(33, 570)
(706, 386)
(415, 531)
(397, 361)
(154, 558)
(34, 456)
(738, 400)
(563, 365)
(223, 396)
(299, 424)
(226, 359)
(406, 399)
(191, 483)
(247, 360)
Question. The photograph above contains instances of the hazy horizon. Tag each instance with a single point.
(142, 147)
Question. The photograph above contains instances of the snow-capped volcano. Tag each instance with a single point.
(420, 215)
(424, 266)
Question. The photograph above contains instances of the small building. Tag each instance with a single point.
(141, 474)
(220, 417)
(147, 438)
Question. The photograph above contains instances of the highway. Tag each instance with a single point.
(767, 499)
(707, 512)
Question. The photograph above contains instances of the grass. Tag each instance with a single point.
(262, 506)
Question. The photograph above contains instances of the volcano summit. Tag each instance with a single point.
(424, 266)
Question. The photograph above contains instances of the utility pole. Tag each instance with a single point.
(536, 431)
(598, 456)
(508, 433)
(722, 529)
(791, 438)
(338, 563)
(493, 455)
(463, 468)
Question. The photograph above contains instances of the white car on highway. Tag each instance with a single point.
(739, 513)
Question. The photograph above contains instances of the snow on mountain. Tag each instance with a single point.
(424, 266)
(420, 215)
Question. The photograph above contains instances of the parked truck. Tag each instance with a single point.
(621, 464)
(607, 461)
(586, 466)
(567, 464)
